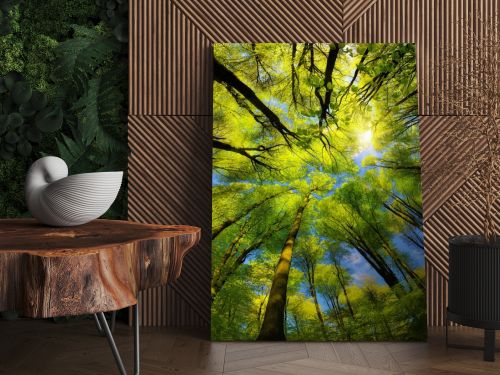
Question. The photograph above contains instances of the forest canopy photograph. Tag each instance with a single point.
(316, 198)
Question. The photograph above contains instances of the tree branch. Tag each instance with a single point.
(225, 76)
(255, 159)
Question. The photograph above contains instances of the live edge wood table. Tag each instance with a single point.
(89, 269)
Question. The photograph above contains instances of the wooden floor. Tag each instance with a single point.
(42, 347)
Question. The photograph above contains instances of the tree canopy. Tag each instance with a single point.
(317, 218)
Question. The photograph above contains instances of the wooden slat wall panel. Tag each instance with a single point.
(382, 21)
(170, 165)
(170, 62)
(171, 74)
(439, 286)
(441, 31)
(238, 21)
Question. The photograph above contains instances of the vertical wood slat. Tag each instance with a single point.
(436, 309)
(170, 62)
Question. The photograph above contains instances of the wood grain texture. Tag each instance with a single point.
(99, 266)
(42, 348)
(170, 62)
(264, 21)
(178, 150)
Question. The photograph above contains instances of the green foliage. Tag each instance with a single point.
(24, 116)
(55, 18)
(70, 101)
(80, 56)
(115, 13)
(8, 16)
(12, 175)
(356, 264)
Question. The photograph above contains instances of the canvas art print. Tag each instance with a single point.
(317, 209)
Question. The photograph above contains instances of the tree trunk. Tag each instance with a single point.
(340, 277)
(273, 324)
(311, 270)
(314, 295)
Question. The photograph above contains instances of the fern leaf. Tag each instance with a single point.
(73, 152)
(98, 112)
(80, 56)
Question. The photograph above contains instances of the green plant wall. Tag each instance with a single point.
(63, 91)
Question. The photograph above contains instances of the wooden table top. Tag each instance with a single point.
(29, 236)
(100, 266)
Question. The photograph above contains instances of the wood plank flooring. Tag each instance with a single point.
(41, 347)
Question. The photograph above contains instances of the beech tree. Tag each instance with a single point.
(317, 212)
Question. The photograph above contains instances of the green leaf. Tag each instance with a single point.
(3, 88)
(33, 134)
(9, 147)
(38, 100)
(14, 120)
(21, 92)
(82, 55)
(27, 110)
(98, 113)
(11, 78)
(8, 105)
(3, 124)
(4, 154)
(121, 32)
(11, 137)
(49, 119)
(70, 150)
(24, 148)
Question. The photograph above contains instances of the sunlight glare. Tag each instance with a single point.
(365, 140)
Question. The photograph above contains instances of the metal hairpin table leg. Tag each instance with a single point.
(98, 325)
(101, 319)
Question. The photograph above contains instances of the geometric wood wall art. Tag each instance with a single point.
(170, 95)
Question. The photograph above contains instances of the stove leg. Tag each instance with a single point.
(489, 345)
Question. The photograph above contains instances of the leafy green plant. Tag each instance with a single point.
(93, 100)
(115, 13)
(24, 116)
(67, 96)
(5, 18)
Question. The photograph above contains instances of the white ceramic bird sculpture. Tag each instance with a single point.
(56, 199)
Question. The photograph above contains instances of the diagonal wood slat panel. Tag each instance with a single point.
(381, 21)
(437, 189)
(237, 21)
(453, 218)
(170, 169)
(353, 10)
